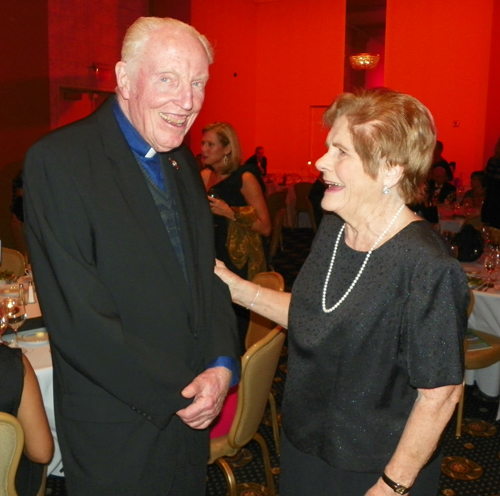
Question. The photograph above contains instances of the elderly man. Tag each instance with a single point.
(120, 234)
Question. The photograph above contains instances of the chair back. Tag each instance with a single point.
(258, 368)
(18, 233)
(11, 447)
(275, 202)
(302, 191)
(278, 221)
(303, 204)
(472, 300)
(260, 326)
(494, 235)
(14, 261)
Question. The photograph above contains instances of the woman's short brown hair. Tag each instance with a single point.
(391, 126)
(227, 136)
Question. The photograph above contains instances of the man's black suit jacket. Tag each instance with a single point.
(253, 161)
(127, 331)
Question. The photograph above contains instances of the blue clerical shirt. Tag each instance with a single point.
(148, 158)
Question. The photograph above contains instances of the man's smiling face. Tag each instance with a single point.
(162, 89)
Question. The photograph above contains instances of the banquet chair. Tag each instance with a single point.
(494, 235)
(275, 202)
(477, 359)
(11, 447)
(303, 204)
(13, 261)
(474, 222)
(18, 232)
(276, 235)
(258, 366)
(258, 328)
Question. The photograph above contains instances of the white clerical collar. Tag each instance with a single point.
(151, 153)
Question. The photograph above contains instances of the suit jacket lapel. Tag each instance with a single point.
(131, 182)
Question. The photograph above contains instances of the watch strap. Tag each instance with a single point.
(397, 488)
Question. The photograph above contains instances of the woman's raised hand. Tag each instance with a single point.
(230, 278)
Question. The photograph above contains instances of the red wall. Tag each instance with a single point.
(24, 93)
(439, 52)
(288, 56)
(300, 64)
(24, 78)
(230, 25)
(492, 133)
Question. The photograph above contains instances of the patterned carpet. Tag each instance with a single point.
(471, 464)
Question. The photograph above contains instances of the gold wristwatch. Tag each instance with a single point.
(397, 488)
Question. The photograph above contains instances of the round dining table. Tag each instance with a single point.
(485, 317)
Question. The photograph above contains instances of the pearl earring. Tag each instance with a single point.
(386, 190)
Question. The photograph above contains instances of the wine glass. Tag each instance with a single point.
(489, 265)
(15, 312)
(3, 323)
(454, 251)
(496, 257)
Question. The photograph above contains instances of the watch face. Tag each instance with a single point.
(401, 490)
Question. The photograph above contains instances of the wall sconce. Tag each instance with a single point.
(102, 72)
(364, 61)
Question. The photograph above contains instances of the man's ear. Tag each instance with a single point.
(122, 79)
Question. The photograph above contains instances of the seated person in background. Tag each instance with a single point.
(475, 196)
(439, 189)
(20, 396)
(258, 160)
(439, 161)
(16, 206)
(490, 213)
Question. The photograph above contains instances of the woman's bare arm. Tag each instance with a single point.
(254, 197)
(431, 412)
(38, 442)
(266, 302)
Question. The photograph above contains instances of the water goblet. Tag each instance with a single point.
(15, 312)
(3, 323)
(454, 251)
(489, 265)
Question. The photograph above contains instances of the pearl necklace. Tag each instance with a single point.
(327, 280)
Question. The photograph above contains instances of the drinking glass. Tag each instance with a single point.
(15, 312)
(3, 323)
(454, 251)
(212, 193)
(496, 256)
(485, 233)
(489, 265)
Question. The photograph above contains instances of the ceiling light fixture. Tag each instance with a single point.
(364, 61)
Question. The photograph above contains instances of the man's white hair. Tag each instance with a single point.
(138, 35)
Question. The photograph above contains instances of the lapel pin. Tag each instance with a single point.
(174, 163)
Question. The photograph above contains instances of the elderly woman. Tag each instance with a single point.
(376, 317)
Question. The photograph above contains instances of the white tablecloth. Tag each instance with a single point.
(485, 317)
(41, 360)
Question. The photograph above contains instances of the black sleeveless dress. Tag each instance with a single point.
(29, 474)
(229, 190)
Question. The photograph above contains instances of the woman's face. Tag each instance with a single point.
(212, 151)
(350, 190)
